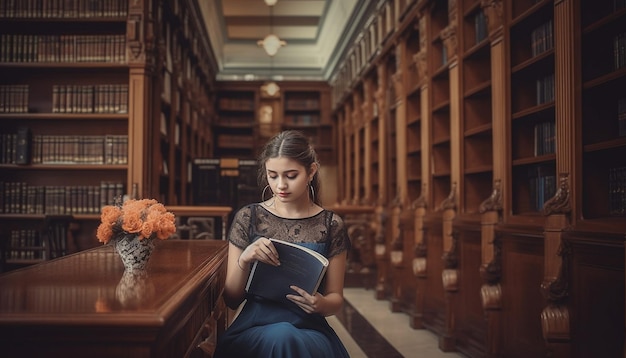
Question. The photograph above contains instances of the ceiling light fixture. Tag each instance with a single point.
(271, 43)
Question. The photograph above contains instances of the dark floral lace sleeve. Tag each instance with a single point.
(339, 239)
(240, 228)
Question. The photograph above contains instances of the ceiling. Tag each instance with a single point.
(317, 33)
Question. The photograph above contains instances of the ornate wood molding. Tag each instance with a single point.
(398, 84)
(555, 323)
(420, 261)
(560, 202)
(494, 12)
(450, 274)
(379, 237)
(449, 203)
(421, 202)
(494, 201)
(556, 290)
(491, 272)
(397, 244)
(491, 297)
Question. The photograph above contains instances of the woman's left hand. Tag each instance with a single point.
(308, 303)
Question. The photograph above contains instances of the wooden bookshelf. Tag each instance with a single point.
(240, 132)
(532, 105)
(515, 129)
(96, 105)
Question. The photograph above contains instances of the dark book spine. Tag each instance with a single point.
(23, 145)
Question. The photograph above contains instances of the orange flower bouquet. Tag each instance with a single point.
(133, 226)
(144, 218)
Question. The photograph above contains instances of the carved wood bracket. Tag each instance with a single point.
(560, 202)
(494, 13)
(494, 202)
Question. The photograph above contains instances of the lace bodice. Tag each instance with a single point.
(254, 221)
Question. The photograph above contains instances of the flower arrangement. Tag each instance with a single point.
(145, 218)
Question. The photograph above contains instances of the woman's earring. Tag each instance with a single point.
(312, 192)
(263, 196)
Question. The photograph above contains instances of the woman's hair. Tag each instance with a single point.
(293, 145)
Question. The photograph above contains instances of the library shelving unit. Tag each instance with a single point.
(532, 60)
(240, 131)
(603, 110)
(306, 111)
(476, 98)
(184, 103)
(65, 116)
(96, 106)
(236, 128)
(515, 122)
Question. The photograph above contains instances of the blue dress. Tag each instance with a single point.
(265, 328)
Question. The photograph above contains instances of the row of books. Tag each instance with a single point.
(545, 89)
(302, 119)
(545, 138)
(62, 48)
(619, 50)
(621, 115)
(105, 98)
(64, 149)
(236, 104)
(542, 38)
(14, 98)
(26, 244)
(63, 8)
(304, 103)
(542, 186)
(617, 191)
(480, 27)
(22, 198)
(236, 120)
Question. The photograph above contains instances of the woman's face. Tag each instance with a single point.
(288, 179)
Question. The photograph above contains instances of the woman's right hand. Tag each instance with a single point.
(262, 250)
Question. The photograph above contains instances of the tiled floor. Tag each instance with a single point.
(369, 329)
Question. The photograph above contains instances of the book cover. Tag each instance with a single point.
(299, 266)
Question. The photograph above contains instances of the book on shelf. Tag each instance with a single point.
(545, 142)
(545, 89)
(542, 38)
(542, 185)
(617, 191)
(619, 50)
(480, 27)
(63, 9)
(621, 116)
(14, 98)
(299, 266)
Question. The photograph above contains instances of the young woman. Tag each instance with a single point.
(298, 328)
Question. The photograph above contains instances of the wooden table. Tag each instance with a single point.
(85, 305)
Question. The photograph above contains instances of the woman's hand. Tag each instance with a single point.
(262, 250)
(308, 303)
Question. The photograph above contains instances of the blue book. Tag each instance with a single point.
(299, 266)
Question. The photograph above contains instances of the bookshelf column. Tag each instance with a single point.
(357, 125)
(491, 209)
(555, 320)
(420, 206)
(450, 273)
(349, 135)
(397, 237)
(140, 54)
(381, 211)
(366, 109)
